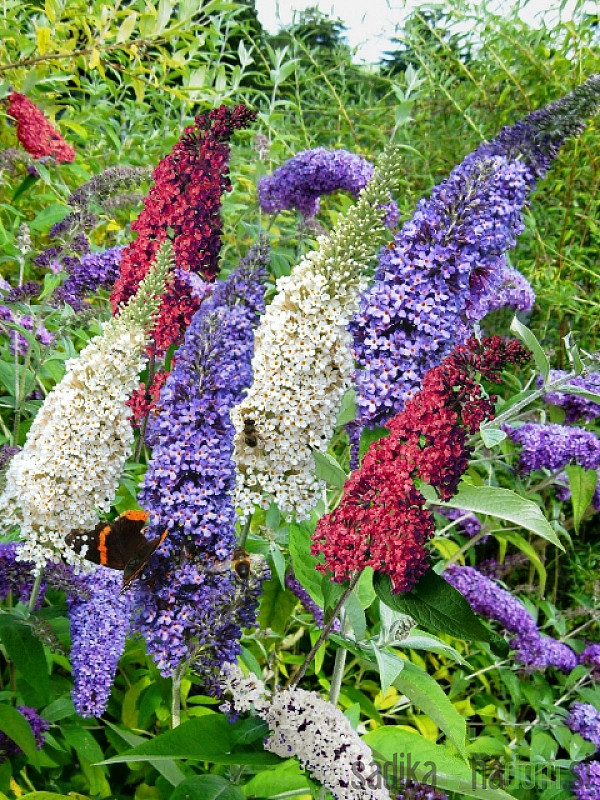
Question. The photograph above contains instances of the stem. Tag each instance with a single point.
(176, 695)
(35, 591)
(144, 425)
(324, 633)
(338, 668)
(549, 387)
(244, 533)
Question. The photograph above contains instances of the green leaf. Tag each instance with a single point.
(49, 216)
(286, 777)
(328, 469)
(573, 353)
(276, 606)
(370, 435)
(417, 640)
(127, 27)
(492, 436)
(278, 562)
(401, 754)
(436, 605)
(356, 617)
(303, 562)
(364, 590)
(82, 741)
(530, 341)
(583, 484)
(426, 693)
(501, 503)
(207, 738)
(168, 769)
(347, 412)
(206, 787)
(23, 187)
(27, 654)
(525, 547)
(16, 727)
(390, 666)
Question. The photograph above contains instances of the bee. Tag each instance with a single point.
(241, 563)
(250, 432)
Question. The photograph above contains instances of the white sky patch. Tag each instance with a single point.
(372, 24)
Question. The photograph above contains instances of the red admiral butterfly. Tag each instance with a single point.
(119, 545)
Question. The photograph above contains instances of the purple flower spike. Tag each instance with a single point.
(190, 600)
(99, 625)
(437, 280)
(591, 658)
(88, 274)
(575, 407)
(586, 785)
(584, 719)
(304, 178)
(555, 446)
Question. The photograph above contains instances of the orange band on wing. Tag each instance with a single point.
(135, 515)
(102, 544)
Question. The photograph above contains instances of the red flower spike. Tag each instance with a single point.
(35, 132)
(382, 521)
(184, 204)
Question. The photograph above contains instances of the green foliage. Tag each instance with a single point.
(120, 81)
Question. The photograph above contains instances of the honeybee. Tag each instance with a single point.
(250, 432)
(241, 563)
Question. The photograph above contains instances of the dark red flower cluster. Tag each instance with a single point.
(382, 521)
(184, 204)
(35, 132)
(144, 399)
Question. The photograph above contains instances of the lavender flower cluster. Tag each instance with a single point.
(190, 600)
(575, 406)
(554, 446)
(301, 181)
(487, 598)
(586, 785)
(584, 719)
(99, 624)
(86, 275)
(435, 283)
(413, 790)
(294, 585)
(513, 291)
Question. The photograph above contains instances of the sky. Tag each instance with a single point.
(371, 23)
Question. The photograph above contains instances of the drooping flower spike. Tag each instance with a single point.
(71, 463)
(300, 182)
(448, 261)
(35, 132)
(302, 363)
(183, 205)
(189, 598)
(382, 521)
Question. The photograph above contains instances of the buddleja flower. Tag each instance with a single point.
(34, 131)
(591, 658)
(575, 406)
(75, 450)
(586, 785)
(584, 719)
(183, 205)
(294, 585)
(513, 291)
(412, 790)
(90, 273)
(99, 625)
(190, 599)
(304, 178)
(38, 725)
(382, 520)
(447, 262)
(554, 446)
(303, 725)
(302, 364)
(490, 600)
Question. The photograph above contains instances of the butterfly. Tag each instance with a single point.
(118, 545)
